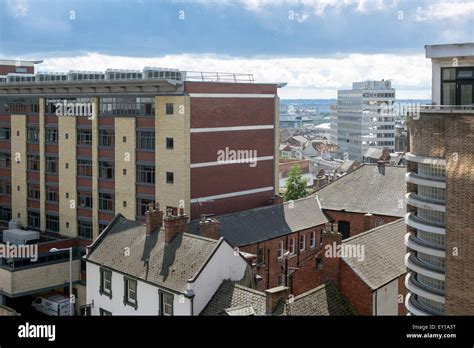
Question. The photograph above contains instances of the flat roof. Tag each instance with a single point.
(450, 50)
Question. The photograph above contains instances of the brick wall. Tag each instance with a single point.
(286, 165)
(355, 290)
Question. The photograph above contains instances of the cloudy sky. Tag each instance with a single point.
(316, 46)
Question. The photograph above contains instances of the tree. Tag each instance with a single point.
(295, 187)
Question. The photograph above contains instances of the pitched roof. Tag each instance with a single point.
(384, 254)
(235, 299)
(323, 300)
(367, 189)
(255, 225)
(169, 265)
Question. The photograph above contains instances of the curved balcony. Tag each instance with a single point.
(413, 264)
(415, 308)
(416, 287)
(421, 202)
(424, 159)
(415, 222)
(418, 245)
(416, 179)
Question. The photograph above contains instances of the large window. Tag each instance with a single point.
(33, 162)
(146, 173)
(33, 191)
(127, 106)
(146, 140)
(84, 137)
(457, 86)
(130, 294)
(51, 135)
(84, 229)
(5, 133)
(106, 170)
(33, 134)
(5, 187)
(84, 167)
(51, 164)
(52, 223)
(142, 205)
(432, 170)
(106, 137)
(292, 248)
(85, 199)
(5, 214)
(5, 160)
(106, 201)
(34, 220)
(166, 303)
(19, 105)
(52, 194)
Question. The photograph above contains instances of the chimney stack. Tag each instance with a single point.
(331, 242)
(274, 295)
(209, 228)
(368, 222)
(174, 225)
(153, 218)
(276, 199)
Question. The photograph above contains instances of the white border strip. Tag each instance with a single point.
(218, 163)
(230, 95)
(231, 194)
(231, 129)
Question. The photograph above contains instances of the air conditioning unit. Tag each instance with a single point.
(19, 237)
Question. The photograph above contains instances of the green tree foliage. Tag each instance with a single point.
(295, 187)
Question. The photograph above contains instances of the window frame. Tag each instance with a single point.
(103, 289)
(127, 300)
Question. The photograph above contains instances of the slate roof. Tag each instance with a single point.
(170, 265)
(367, 189)
(323, 300)
(255, 225)
(384, 254)
(235, 299)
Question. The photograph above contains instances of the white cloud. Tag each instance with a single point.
(445, 10)
(17, 8)
(306, 77)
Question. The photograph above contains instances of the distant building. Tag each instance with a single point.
(365, 118)
(333, 125)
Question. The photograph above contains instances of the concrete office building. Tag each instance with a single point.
(364, 118)
(440, 190)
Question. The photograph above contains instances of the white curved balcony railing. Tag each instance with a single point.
(425, 203)
(414, 309)
(413, 221)
(424, 159)
(419, 289)
(417, 245)
(413, 178)
(417, 266)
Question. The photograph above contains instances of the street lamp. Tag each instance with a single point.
(54, 250)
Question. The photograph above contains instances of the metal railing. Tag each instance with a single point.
(446, 108)
(203, 76)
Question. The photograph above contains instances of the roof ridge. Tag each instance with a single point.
(372, 230)
(246, 288)
(311, 291)
(201, 237)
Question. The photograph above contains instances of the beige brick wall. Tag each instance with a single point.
(5, 311)
(125, 188)
(67, 176)
(18, 168)
(177, 160)
(6, 281)
(95, 167)
(42, 152)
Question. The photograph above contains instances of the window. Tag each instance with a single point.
(146, 173)
(5, 214)
(280, 249)
(319, 262)
(34, 220)
(52, 194)
(84, 229)
(5, 160)
(302, 242)
(51, 164)
(169, 143)
(5, 187)
(33, 191)
(85, 199)
(106, 170)
(106, 201)
(33, 162)
(52, 223)
(166, 303)
(105, 282)
(84, 167)
(20, 105)
(51, 136)
(127, 106)
(5, 133)
(434, 193)
(260, 256)
(146, 140)
(292, 246)
(104, 313)
(142, 205)
(130, 294)
(312, 239)
(281, 279)
(33, 134)
(169, 177)
(106, 137)
(84, 137)
(432, 170)
(169, 108)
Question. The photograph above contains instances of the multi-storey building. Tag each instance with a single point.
(440, 194)
(78, 148)
(365, 118)
(333, 125)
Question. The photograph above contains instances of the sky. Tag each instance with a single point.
(316, 46)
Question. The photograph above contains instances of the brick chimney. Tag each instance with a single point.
(331, 241)
(276, 199)
(209, 228)
(274, 295)
(153, 217)
(369, 222)
(174, 225)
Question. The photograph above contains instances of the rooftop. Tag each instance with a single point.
(367, 189)
(450, 50)
(151, 260)
(384, 254)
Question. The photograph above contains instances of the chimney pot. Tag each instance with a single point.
(209, 228)
(153, 218)
(174, 225)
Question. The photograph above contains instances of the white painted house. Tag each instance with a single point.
(136, 269)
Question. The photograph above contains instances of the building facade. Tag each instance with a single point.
(440, 190)
(365, 119)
